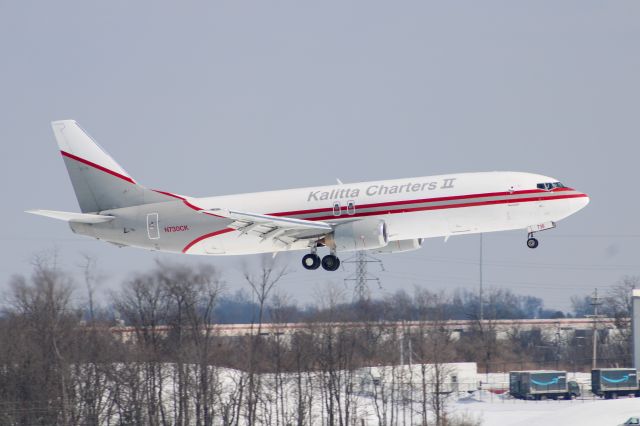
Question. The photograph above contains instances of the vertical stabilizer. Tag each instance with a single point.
(98, 181)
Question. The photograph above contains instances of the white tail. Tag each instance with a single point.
(99, 182)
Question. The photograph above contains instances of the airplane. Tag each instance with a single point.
(388, 216)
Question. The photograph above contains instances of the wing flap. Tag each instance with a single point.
(274, 227)
(73, 217)
(281, 222)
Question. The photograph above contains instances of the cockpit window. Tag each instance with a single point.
(548, 186)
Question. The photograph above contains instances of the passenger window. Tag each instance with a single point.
(351, 207)
(336, 209)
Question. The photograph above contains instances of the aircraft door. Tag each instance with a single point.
(153, 227)
(513, 208)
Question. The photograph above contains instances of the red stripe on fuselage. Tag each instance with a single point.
(169, 194)
(448, 206)
(421, 200)
(187, 203)
(415, 209)
(98, 166)
(203, 237)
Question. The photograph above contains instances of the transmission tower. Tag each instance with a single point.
(361, 277)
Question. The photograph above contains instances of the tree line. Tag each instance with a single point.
(61, 364)
(239, 307)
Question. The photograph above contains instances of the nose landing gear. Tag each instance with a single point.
(533, 242)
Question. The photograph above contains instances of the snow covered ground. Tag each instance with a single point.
(494, 410)
(393, 393)
(502, 410)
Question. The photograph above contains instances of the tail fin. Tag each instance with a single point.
(98, 181)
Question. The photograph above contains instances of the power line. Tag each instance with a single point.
(518, 264)
(481, 278)
(595, 302)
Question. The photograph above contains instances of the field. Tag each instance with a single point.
(493, 411)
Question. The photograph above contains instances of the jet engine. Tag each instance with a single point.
(400, 246)
(365, 234)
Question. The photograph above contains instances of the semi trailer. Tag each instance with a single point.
(611, 383)
(541, 385)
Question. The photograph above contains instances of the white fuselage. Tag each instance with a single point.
(386, 216)
(424, 207)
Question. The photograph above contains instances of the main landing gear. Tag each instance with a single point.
(532, 242)
(330, 262)
(312, 261)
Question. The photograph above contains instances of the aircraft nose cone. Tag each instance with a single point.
(582, 201)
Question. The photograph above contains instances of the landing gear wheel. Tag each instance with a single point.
(532, 243)
(311, 261)
(330, 262)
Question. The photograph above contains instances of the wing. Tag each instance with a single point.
(286, 230)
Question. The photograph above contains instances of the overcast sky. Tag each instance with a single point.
(213, 98)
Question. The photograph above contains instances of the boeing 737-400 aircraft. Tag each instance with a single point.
(383, 216)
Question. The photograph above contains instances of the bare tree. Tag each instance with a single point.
(92, 279)
(434, 348)
(40, 308)
(336, 343)
(261, 284)
(141, 303)
(619, 302)
(92, 373)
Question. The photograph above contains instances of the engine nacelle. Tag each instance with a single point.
(400, 246)
(365, 234)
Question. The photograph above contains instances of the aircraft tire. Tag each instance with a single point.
(532, 243)
(311, 261)
(330, 263)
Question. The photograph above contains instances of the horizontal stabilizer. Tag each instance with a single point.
(73, 217)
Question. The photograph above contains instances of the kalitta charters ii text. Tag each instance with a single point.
(379, 189)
